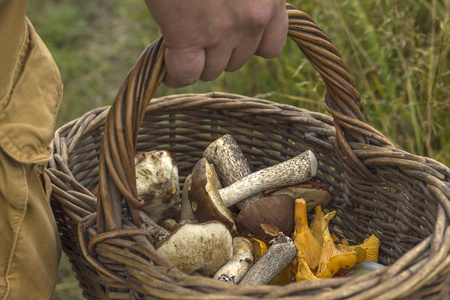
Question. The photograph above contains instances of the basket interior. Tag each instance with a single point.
(398, 209)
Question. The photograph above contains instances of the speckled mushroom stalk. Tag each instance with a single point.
(230, 164)
(239, 264)
(293, 171)
(273, 262)
(209, 200)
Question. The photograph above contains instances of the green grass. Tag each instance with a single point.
(397, 51)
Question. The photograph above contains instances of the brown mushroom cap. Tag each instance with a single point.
(206, 202)
(314, 193)
(274, 210)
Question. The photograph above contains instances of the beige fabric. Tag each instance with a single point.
(30, 95)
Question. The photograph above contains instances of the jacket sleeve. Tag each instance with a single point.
(30, 87)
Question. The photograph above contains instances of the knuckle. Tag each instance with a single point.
(259, 16)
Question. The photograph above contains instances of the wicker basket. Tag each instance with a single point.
(402, 198)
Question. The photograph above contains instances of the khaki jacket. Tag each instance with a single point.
(30, 96)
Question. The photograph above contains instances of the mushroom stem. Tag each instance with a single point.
(186, 213)
(293, 171)
(157, 232)
(239, 264)
(230, 164)
(273, 262)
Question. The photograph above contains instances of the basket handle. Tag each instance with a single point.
(118, 149)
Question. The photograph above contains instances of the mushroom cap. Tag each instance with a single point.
(259, 248)
(274, 210)
(337, 262)
(198, 247)
(206, 202)
(157, 184)
(303, 271)
(314, 193)
(372, 246)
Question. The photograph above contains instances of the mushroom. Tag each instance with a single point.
(209, 201)
(286, 276)
(186, 213)
(259, 248)
(314, 194)
(276, 210)
(368, 250)
(304, 240)
(170, 224)
(198, 247)
(279, 255)
(303, 270)
(230, 164)
(157, 232)
(372, 246)
(239, 264)
(332, 260)
(157, 184)
(316, 224)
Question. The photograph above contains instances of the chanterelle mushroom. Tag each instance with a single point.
(198, 247)
(332, 260)
(304, 240)
(210, 202)
(370, 246)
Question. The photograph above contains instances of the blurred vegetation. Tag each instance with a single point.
(397, 51)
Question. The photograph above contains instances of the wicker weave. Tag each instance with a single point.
(402, 198)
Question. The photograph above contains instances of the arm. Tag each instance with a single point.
(206, 37)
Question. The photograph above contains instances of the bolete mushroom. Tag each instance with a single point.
(157, 232)
(186, 213)
(230, 164)
(157, 184)
(279, 255)
(198, 247)
(209, 201)
(239, 264)
(275, 210)
(314, 193)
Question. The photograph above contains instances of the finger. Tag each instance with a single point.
(184, 66)
(216, 60)
(275, 34)
(242, 54)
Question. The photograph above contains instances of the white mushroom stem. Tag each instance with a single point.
(186, 213)
(293, 171)
(230, 164)
(272, 263)
(239, 264)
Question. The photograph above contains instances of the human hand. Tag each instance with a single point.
(206, 37)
